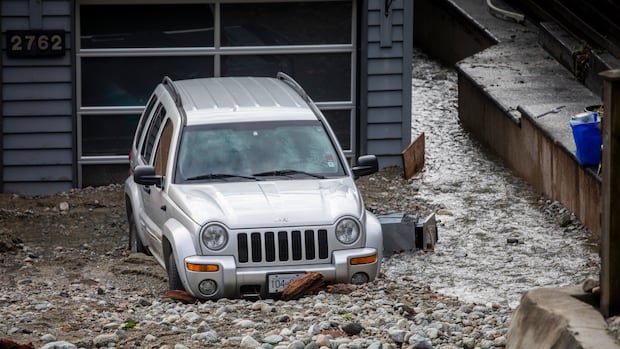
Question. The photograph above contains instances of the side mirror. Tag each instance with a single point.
(366, 165)
(145, 175)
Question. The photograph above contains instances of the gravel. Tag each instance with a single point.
(68, 281)
(77, 297)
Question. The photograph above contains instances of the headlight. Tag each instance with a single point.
(214, 236)
(347, 231)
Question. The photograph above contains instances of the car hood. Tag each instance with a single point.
(269, 203)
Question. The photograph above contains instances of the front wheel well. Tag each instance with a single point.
(167, 250)
(128, 207)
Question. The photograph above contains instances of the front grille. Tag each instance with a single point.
(282, 246)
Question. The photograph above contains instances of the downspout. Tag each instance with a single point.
(362, 85)
(73, 52)
(1, 119)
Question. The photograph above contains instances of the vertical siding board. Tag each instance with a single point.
(388, 94)
(37, 107)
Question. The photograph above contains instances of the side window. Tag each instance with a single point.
(151, 135)
(163, 149)
(145, 117)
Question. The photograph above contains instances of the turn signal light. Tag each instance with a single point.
(363, 260)
(202, 267)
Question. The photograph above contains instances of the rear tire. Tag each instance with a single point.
(135, 244)
(174, 280)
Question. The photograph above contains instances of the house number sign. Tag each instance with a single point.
(35, 43)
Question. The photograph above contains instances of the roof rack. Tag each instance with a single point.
(169, 84)
(290, 81)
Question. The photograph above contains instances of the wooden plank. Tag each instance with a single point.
(374, 17)
(37, 173)
(385, 82)
(413, 157)
(37, 188)
(375, 50)
(40, 124)
(382, 147)
(610, 244)
(38, 141)
(33, 92)
(40, 157)
(378, 115)
(385, 99)
(384, 131)
(38, 108)
(374, 33)
(37, 74)
(378, 66)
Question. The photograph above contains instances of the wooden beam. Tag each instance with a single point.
(413, 157)
(610, 215)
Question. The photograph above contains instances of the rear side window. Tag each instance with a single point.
(145, 117)
(151, 135)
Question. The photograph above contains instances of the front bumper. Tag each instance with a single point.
(234, 282)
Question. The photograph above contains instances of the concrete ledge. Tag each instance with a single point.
(505, 87)
(565, 48)
(448, 32)
(558, 318)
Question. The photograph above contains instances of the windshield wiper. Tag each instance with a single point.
(287, 172)
(220, 176)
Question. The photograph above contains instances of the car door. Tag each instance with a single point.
(151, 216)
(157, 203)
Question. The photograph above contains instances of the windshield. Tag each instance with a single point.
(257, 151)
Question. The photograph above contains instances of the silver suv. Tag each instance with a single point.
(238, 186)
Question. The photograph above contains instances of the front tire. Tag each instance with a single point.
(174, 280)
(135, 244)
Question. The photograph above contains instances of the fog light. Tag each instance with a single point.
(207, 287)
(359, 278)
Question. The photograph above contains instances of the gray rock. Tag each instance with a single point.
(105, 339)
(59, 345)
(249, 342)
(352, 328)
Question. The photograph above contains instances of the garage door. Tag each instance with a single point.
(124, 50)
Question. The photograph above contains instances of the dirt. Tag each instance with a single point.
(71, 247)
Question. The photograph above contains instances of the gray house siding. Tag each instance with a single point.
(387, 97)
(37, 104)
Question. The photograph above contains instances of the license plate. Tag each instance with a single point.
(278, 282)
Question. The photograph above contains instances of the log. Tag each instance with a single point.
(306, 284)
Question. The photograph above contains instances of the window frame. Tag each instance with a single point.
(217, 52)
